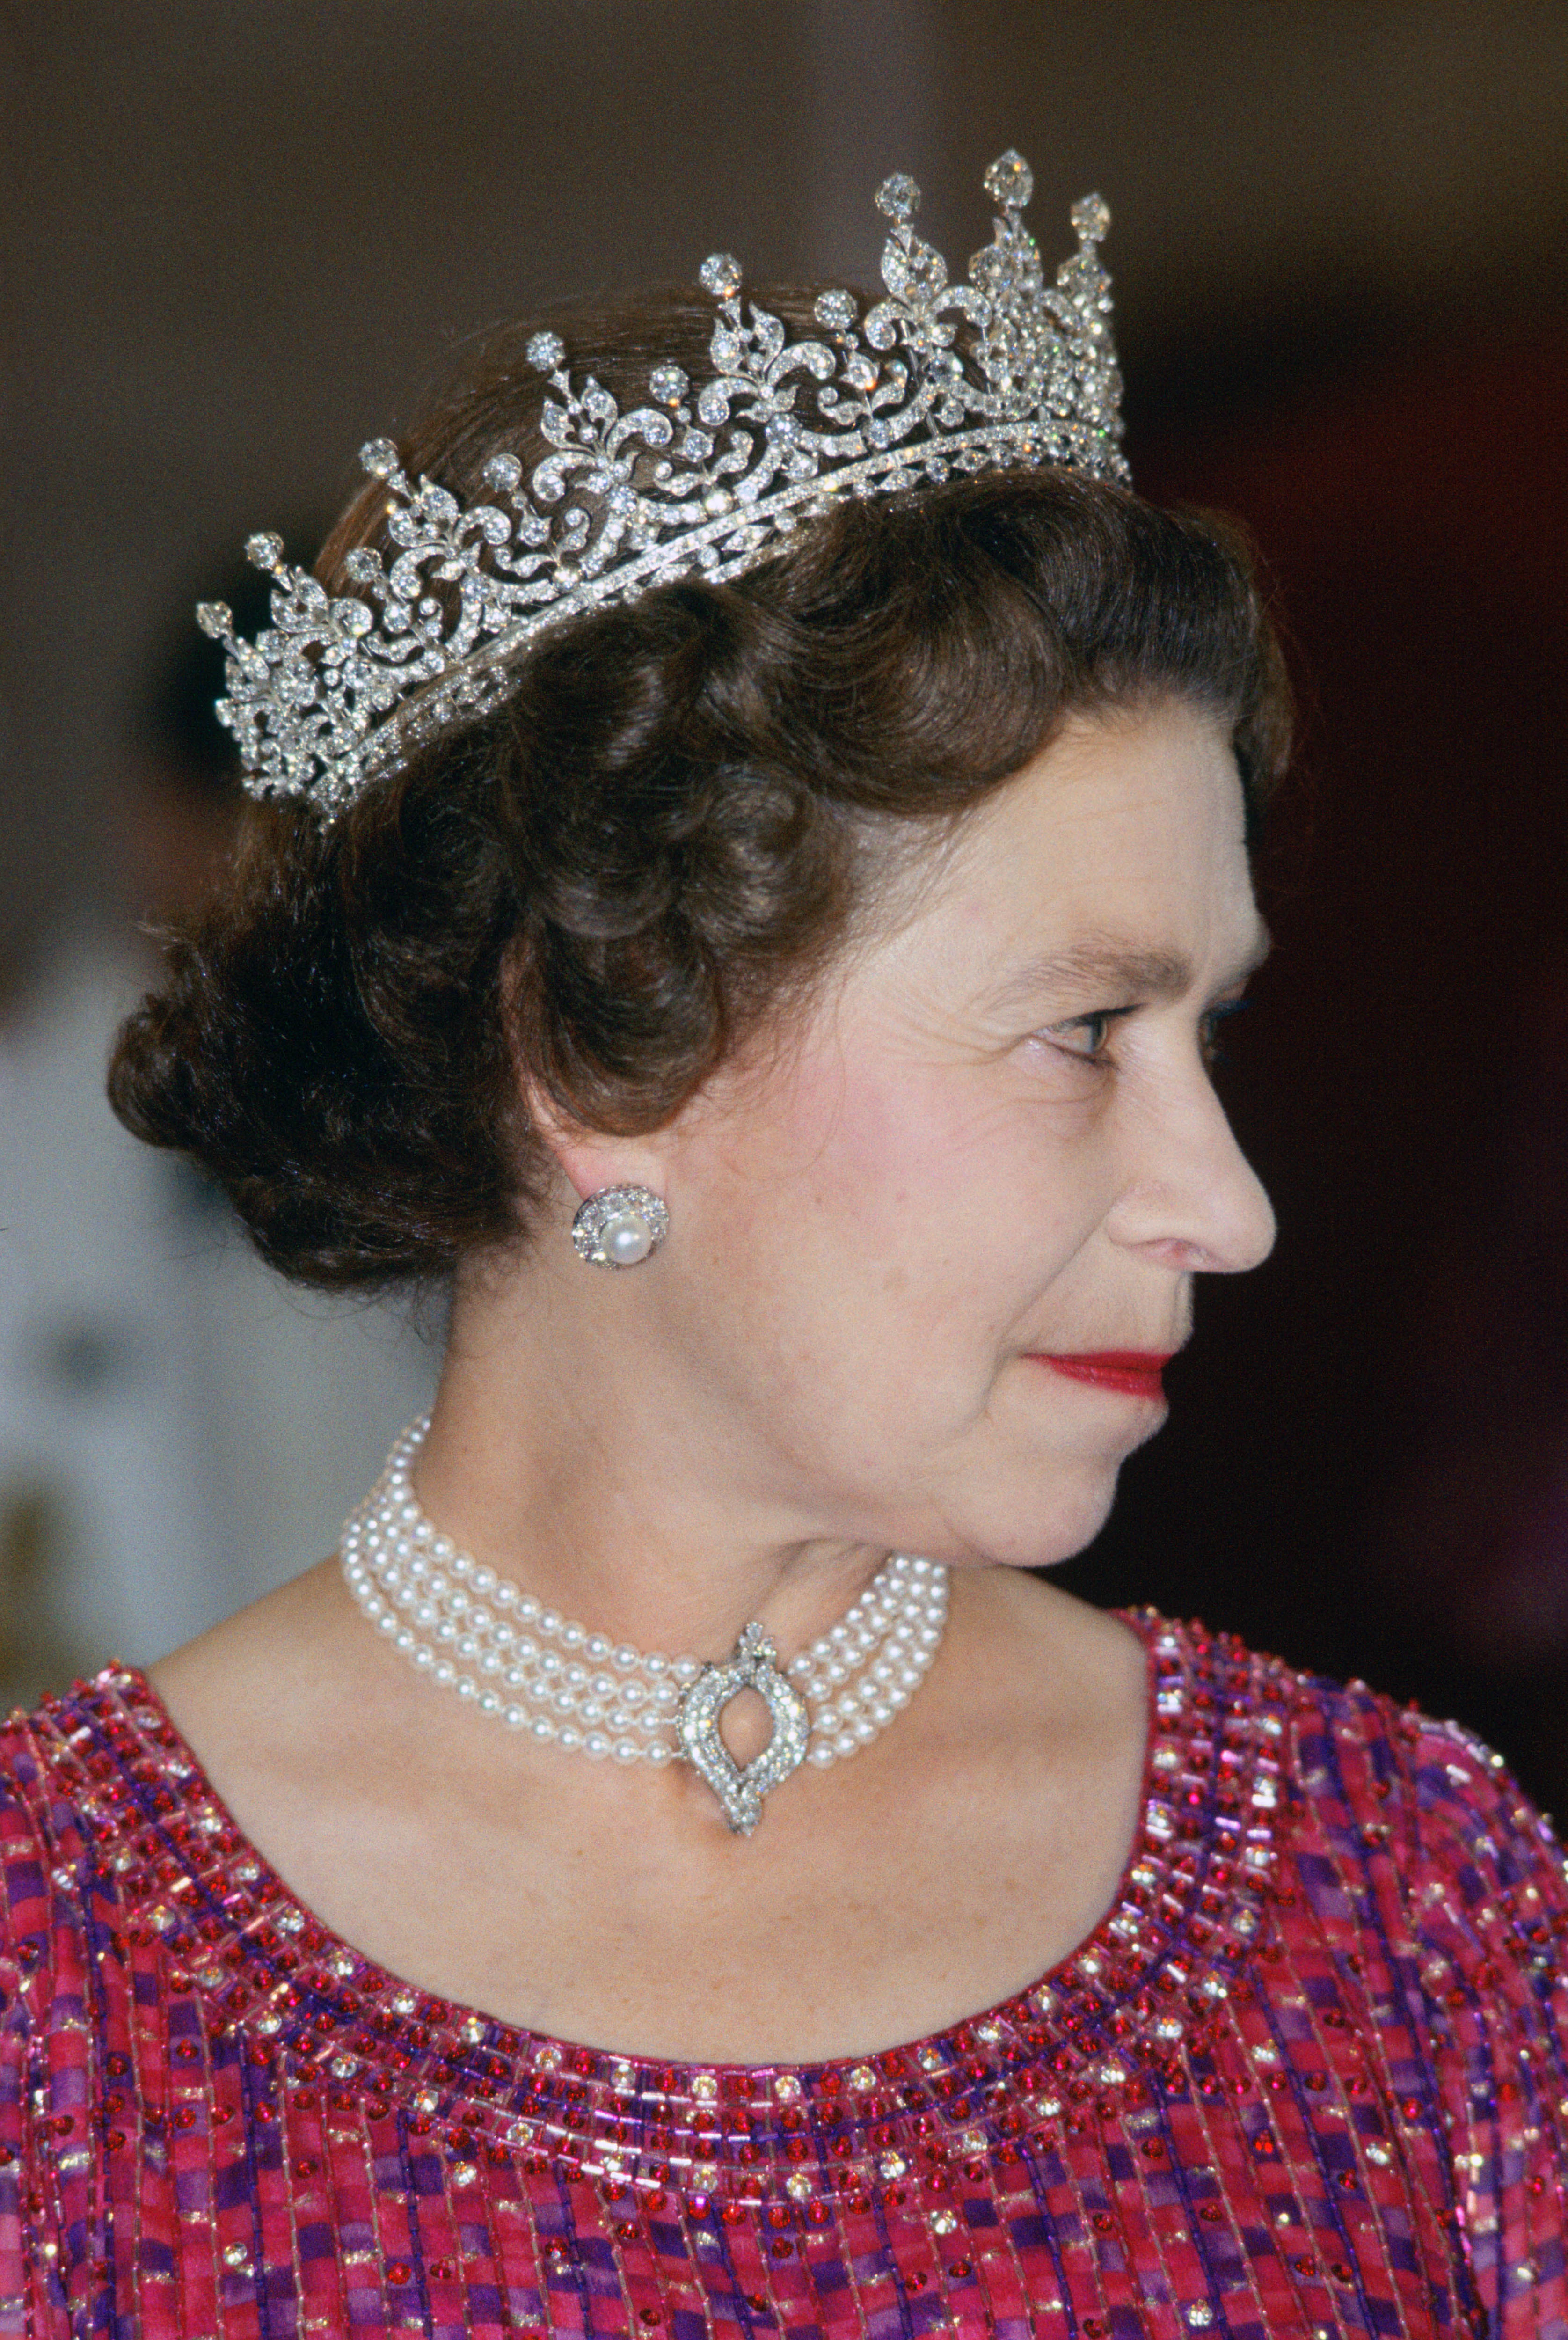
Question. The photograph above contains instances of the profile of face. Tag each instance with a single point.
(995, 1142)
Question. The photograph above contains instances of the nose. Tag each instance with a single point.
(1190, 1198)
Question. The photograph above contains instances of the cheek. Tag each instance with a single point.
(872, 1172)
(834, 1212)
(880, 1165)
(940, 1191)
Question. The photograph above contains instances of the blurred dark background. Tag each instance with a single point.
(241, 241)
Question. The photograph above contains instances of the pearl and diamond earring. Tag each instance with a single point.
(619, 1226)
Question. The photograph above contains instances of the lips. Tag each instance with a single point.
(1130, 1373)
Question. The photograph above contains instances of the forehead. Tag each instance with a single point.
(1127, 832)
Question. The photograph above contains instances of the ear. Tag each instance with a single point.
(587, 1160)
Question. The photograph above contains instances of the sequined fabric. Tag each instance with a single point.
(1307, 2077)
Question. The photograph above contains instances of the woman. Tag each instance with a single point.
(756, 928)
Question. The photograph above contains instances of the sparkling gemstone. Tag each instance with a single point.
(719, 275)
(546, 350)
(899, 198)
(265, 550)
(215, 618)
(380, 458)
(1091, 218)
(669, 385)
(836, 311)
(1010, 181)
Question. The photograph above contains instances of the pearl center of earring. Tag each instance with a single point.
(619, 1226)
(628, 1238)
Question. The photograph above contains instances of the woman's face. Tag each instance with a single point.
(996, 1144)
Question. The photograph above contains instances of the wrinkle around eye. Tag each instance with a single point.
(1070, 1074)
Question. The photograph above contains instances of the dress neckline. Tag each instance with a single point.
(178, 1879)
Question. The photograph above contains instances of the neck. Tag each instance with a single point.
(566, 1456)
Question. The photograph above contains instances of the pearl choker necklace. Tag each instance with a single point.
(470, 1630)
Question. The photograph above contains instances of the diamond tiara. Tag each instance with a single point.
(703, 481)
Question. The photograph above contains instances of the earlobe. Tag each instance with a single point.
(592, 1164)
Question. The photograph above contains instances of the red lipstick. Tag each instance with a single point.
(1131, 1373)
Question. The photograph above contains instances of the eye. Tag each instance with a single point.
(1209, 1029)
(1087, 1036)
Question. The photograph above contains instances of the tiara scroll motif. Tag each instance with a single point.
(703, 481)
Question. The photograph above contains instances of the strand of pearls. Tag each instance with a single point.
(469, 1630)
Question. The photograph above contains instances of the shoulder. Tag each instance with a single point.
(1379, 1778)
(59, 1781)
(1420, 1919)
(1380, 1817)
(1357, 1755)
(28, 1824)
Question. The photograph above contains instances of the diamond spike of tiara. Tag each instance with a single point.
(704, 480)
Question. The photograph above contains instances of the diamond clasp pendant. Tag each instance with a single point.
(754, 1666)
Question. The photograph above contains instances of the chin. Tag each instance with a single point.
(1041, 1520)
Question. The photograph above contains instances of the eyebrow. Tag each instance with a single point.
(1123, 971)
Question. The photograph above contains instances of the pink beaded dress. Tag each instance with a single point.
(1307, 2077)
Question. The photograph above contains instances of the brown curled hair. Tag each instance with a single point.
(660, 842)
